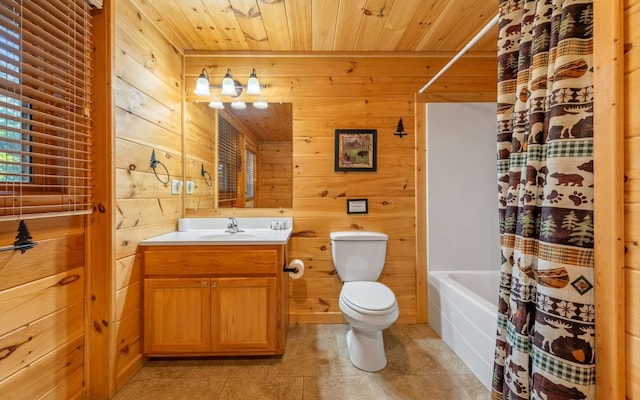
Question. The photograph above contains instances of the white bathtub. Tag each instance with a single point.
(463, 311)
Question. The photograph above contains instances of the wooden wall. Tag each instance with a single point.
(148, 117)
(201, 121)
(335, 92)
(274, 175)
(632, 194)
(42, 326)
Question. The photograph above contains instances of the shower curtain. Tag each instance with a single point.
(545, 338)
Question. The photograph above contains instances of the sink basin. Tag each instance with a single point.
(227, 235)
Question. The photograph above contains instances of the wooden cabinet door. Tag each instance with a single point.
(177, 315)
(243, 315)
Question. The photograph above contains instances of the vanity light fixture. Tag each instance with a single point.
(216, 104)
(238, 105)
(230, 87)
(202, 84)
(260, 105)
(253, 84)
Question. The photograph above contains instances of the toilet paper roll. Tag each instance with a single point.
(297, 264)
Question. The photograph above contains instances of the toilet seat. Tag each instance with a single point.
(371, 298)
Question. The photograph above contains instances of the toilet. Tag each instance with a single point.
(368, 306)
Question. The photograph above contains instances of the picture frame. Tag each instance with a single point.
(355, 149)
(357, 206)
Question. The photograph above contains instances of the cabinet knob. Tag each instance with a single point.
(204, 284)
(214, 284)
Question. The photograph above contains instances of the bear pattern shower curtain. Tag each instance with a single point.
(545, 338)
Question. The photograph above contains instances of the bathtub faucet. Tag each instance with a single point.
(233, 226)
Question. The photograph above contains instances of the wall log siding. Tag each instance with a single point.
(274, 175)
(38, 355)
(148, 117)
(201, 142)
(632, 194)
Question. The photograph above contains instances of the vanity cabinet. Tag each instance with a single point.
(214, 300)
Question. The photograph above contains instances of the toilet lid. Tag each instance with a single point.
(368, 297)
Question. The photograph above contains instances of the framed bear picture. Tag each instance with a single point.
(355, 150)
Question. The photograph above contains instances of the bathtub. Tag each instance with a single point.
(463, 310)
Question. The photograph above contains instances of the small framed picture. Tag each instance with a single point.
(355, 150)
(357, 206)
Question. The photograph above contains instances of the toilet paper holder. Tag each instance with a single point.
(295, 268)
(290, 269)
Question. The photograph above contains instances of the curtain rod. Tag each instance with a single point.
(461, 52)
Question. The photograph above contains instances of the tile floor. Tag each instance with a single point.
(316, 366)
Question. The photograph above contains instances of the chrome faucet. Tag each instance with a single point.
(233, 226)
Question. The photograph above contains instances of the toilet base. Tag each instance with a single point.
(366, 349)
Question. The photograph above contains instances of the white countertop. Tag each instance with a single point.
(212, 231)
(220, 237)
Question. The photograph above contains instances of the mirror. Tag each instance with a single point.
(254, 172)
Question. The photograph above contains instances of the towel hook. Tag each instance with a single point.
(206, 176)
(153, 163)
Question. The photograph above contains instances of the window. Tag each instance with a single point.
(250, 174)
(228, 161)
(45, 162)
(13, 155)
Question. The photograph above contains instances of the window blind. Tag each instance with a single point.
(250, 174)
(45, 142)
(228, 160)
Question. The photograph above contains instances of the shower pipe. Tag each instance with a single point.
(461, 53)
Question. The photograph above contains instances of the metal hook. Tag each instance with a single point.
(205, 174)
(153, 163)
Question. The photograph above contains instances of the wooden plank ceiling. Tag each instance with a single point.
(421, 26)
(438, 28)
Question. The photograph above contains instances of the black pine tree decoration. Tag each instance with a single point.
(23, 238)
(400, 129)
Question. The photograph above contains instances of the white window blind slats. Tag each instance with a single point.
(45, 129)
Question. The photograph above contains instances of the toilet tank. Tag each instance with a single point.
(357, 255)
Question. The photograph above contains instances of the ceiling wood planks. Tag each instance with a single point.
(420, 26)
(400, 16)
(476, 18)
(324, 24)
(252, 23)
(375, 14)
(299, 24)
(274, 15)
(347, 24)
